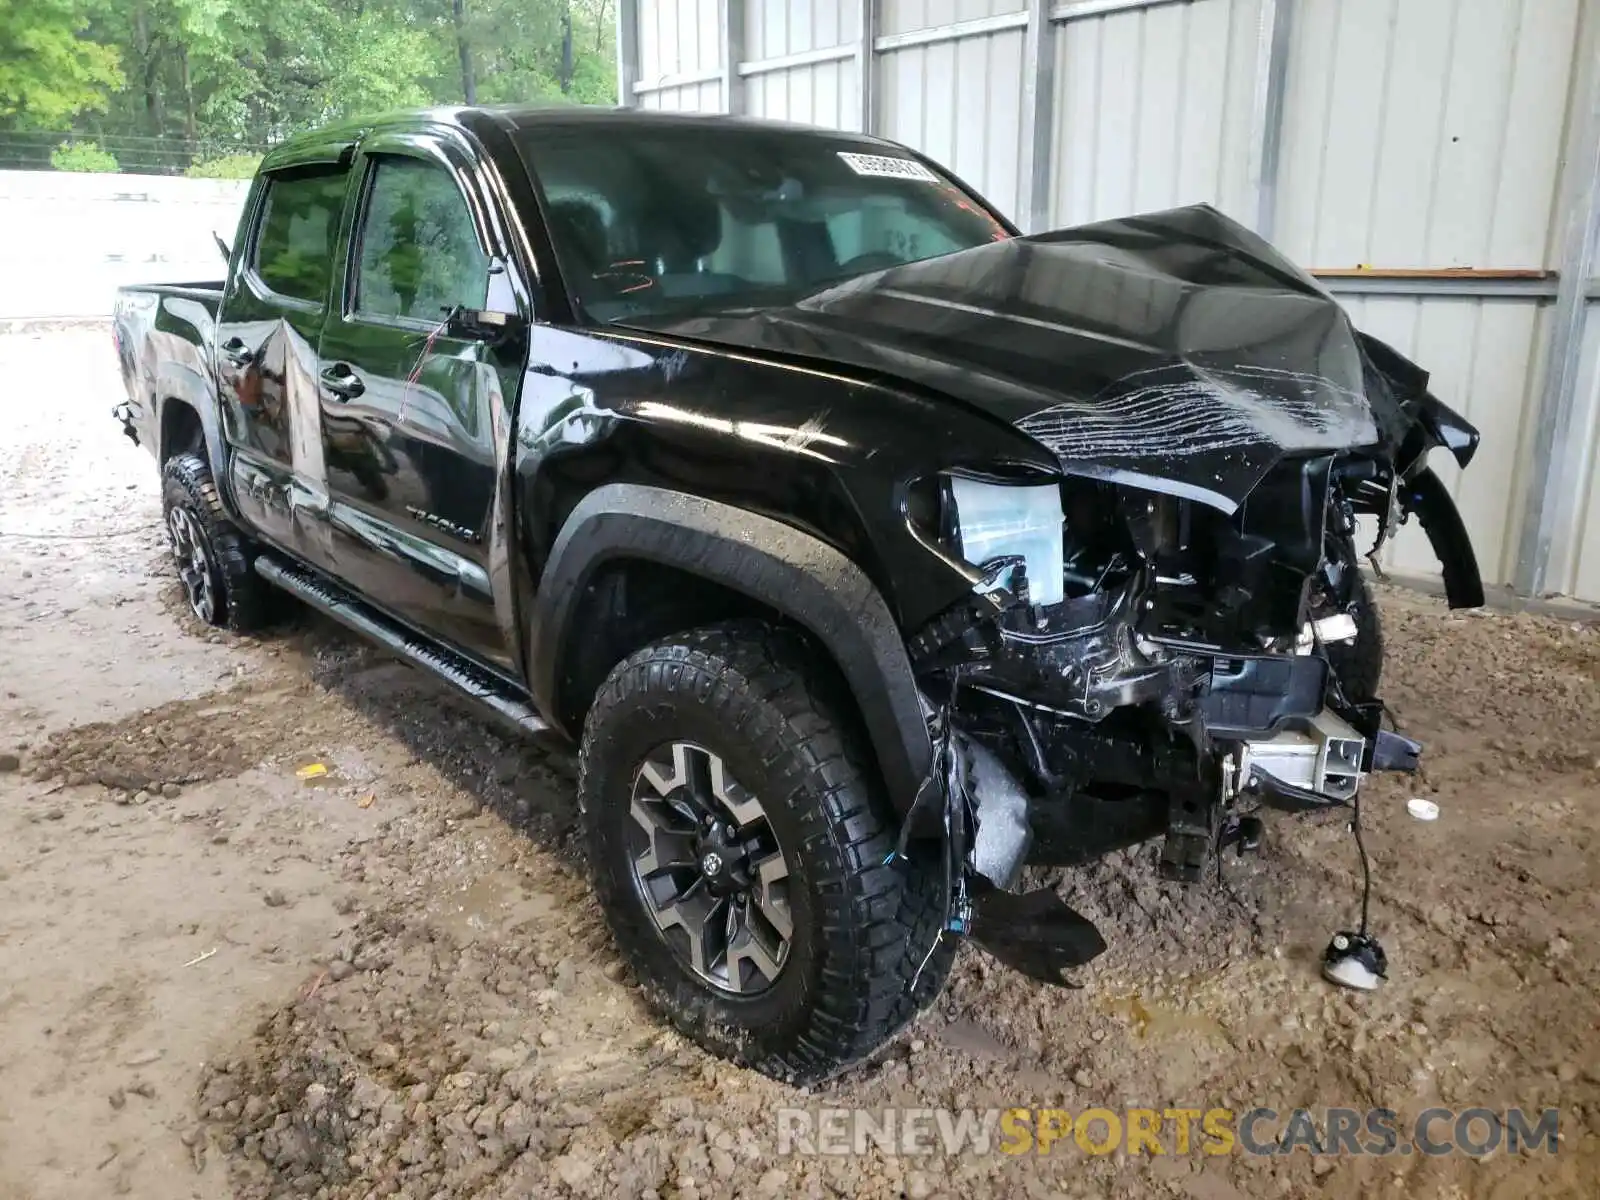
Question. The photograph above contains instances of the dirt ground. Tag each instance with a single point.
(218, 979)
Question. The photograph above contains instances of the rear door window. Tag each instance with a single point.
(300, 231)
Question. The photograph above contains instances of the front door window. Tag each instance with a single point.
(419, 253)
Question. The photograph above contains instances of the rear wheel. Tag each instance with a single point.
(212, 555)
(738, 845)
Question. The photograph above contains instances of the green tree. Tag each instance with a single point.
(300, 63)
(202, 80)
(49, 74)
(226, 166)
(82, 156)
(529, 50)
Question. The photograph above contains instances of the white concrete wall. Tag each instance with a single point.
(68, 241)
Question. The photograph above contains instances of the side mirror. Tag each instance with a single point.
(482, 325)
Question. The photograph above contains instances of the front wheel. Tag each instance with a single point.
(738, 843)
(1359, 663)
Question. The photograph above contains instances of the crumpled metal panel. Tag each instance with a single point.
(1173, 350)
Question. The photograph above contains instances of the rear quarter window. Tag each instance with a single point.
(299, 231)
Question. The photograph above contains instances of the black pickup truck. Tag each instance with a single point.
(869, 550)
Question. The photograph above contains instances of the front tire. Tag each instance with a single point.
(738, 842)
(1359, 664)
(213, 557)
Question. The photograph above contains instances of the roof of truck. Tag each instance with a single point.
(330, 142)
(532, 116)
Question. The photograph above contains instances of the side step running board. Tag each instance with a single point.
(492, 695)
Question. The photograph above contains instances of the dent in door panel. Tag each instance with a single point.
(272, 410)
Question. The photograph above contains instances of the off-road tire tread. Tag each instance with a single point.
(759, 675)
(246, 597)
(1359, 664)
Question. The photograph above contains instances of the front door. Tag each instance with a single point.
(413, 417)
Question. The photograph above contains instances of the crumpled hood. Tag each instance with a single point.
(1176, 349)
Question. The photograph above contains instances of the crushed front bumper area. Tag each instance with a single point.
(1320, 765)
(1031, 785)
(1314, 763)
(1066, 733)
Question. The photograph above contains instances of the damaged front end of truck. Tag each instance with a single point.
(1157, 453)
(1162, 671)
(1171, 630)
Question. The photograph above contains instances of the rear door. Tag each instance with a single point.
(271, 316)
(415, 420)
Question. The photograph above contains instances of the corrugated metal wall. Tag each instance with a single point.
(1565, 537)
(1423, 156)
(679, 41)
(815, 93)
(1578, 564)
(1153, 109)
(974, 128)
(1426, 134)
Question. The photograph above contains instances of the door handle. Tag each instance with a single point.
(237, 353)
(342, 382)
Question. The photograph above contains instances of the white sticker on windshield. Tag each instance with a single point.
(883, 165)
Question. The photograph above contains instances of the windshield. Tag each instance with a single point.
(660, 220)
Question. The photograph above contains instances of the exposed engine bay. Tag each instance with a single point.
(1132, 664)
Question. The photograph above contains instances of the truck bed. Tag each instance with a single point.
(163, 333)
(203, 290)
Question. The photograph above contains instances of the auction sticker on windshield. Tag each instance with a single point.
(883, 165)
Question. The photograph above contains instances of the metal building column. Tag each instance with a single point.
(627, 51)
(1556, 483)
(1266, 112)
(1038, 116)
(867, 64)
(730, 34)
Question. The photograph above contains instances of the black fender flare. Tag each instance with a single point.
(1426, 495)
(784, 568)
(178, 388)
(210, 431)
